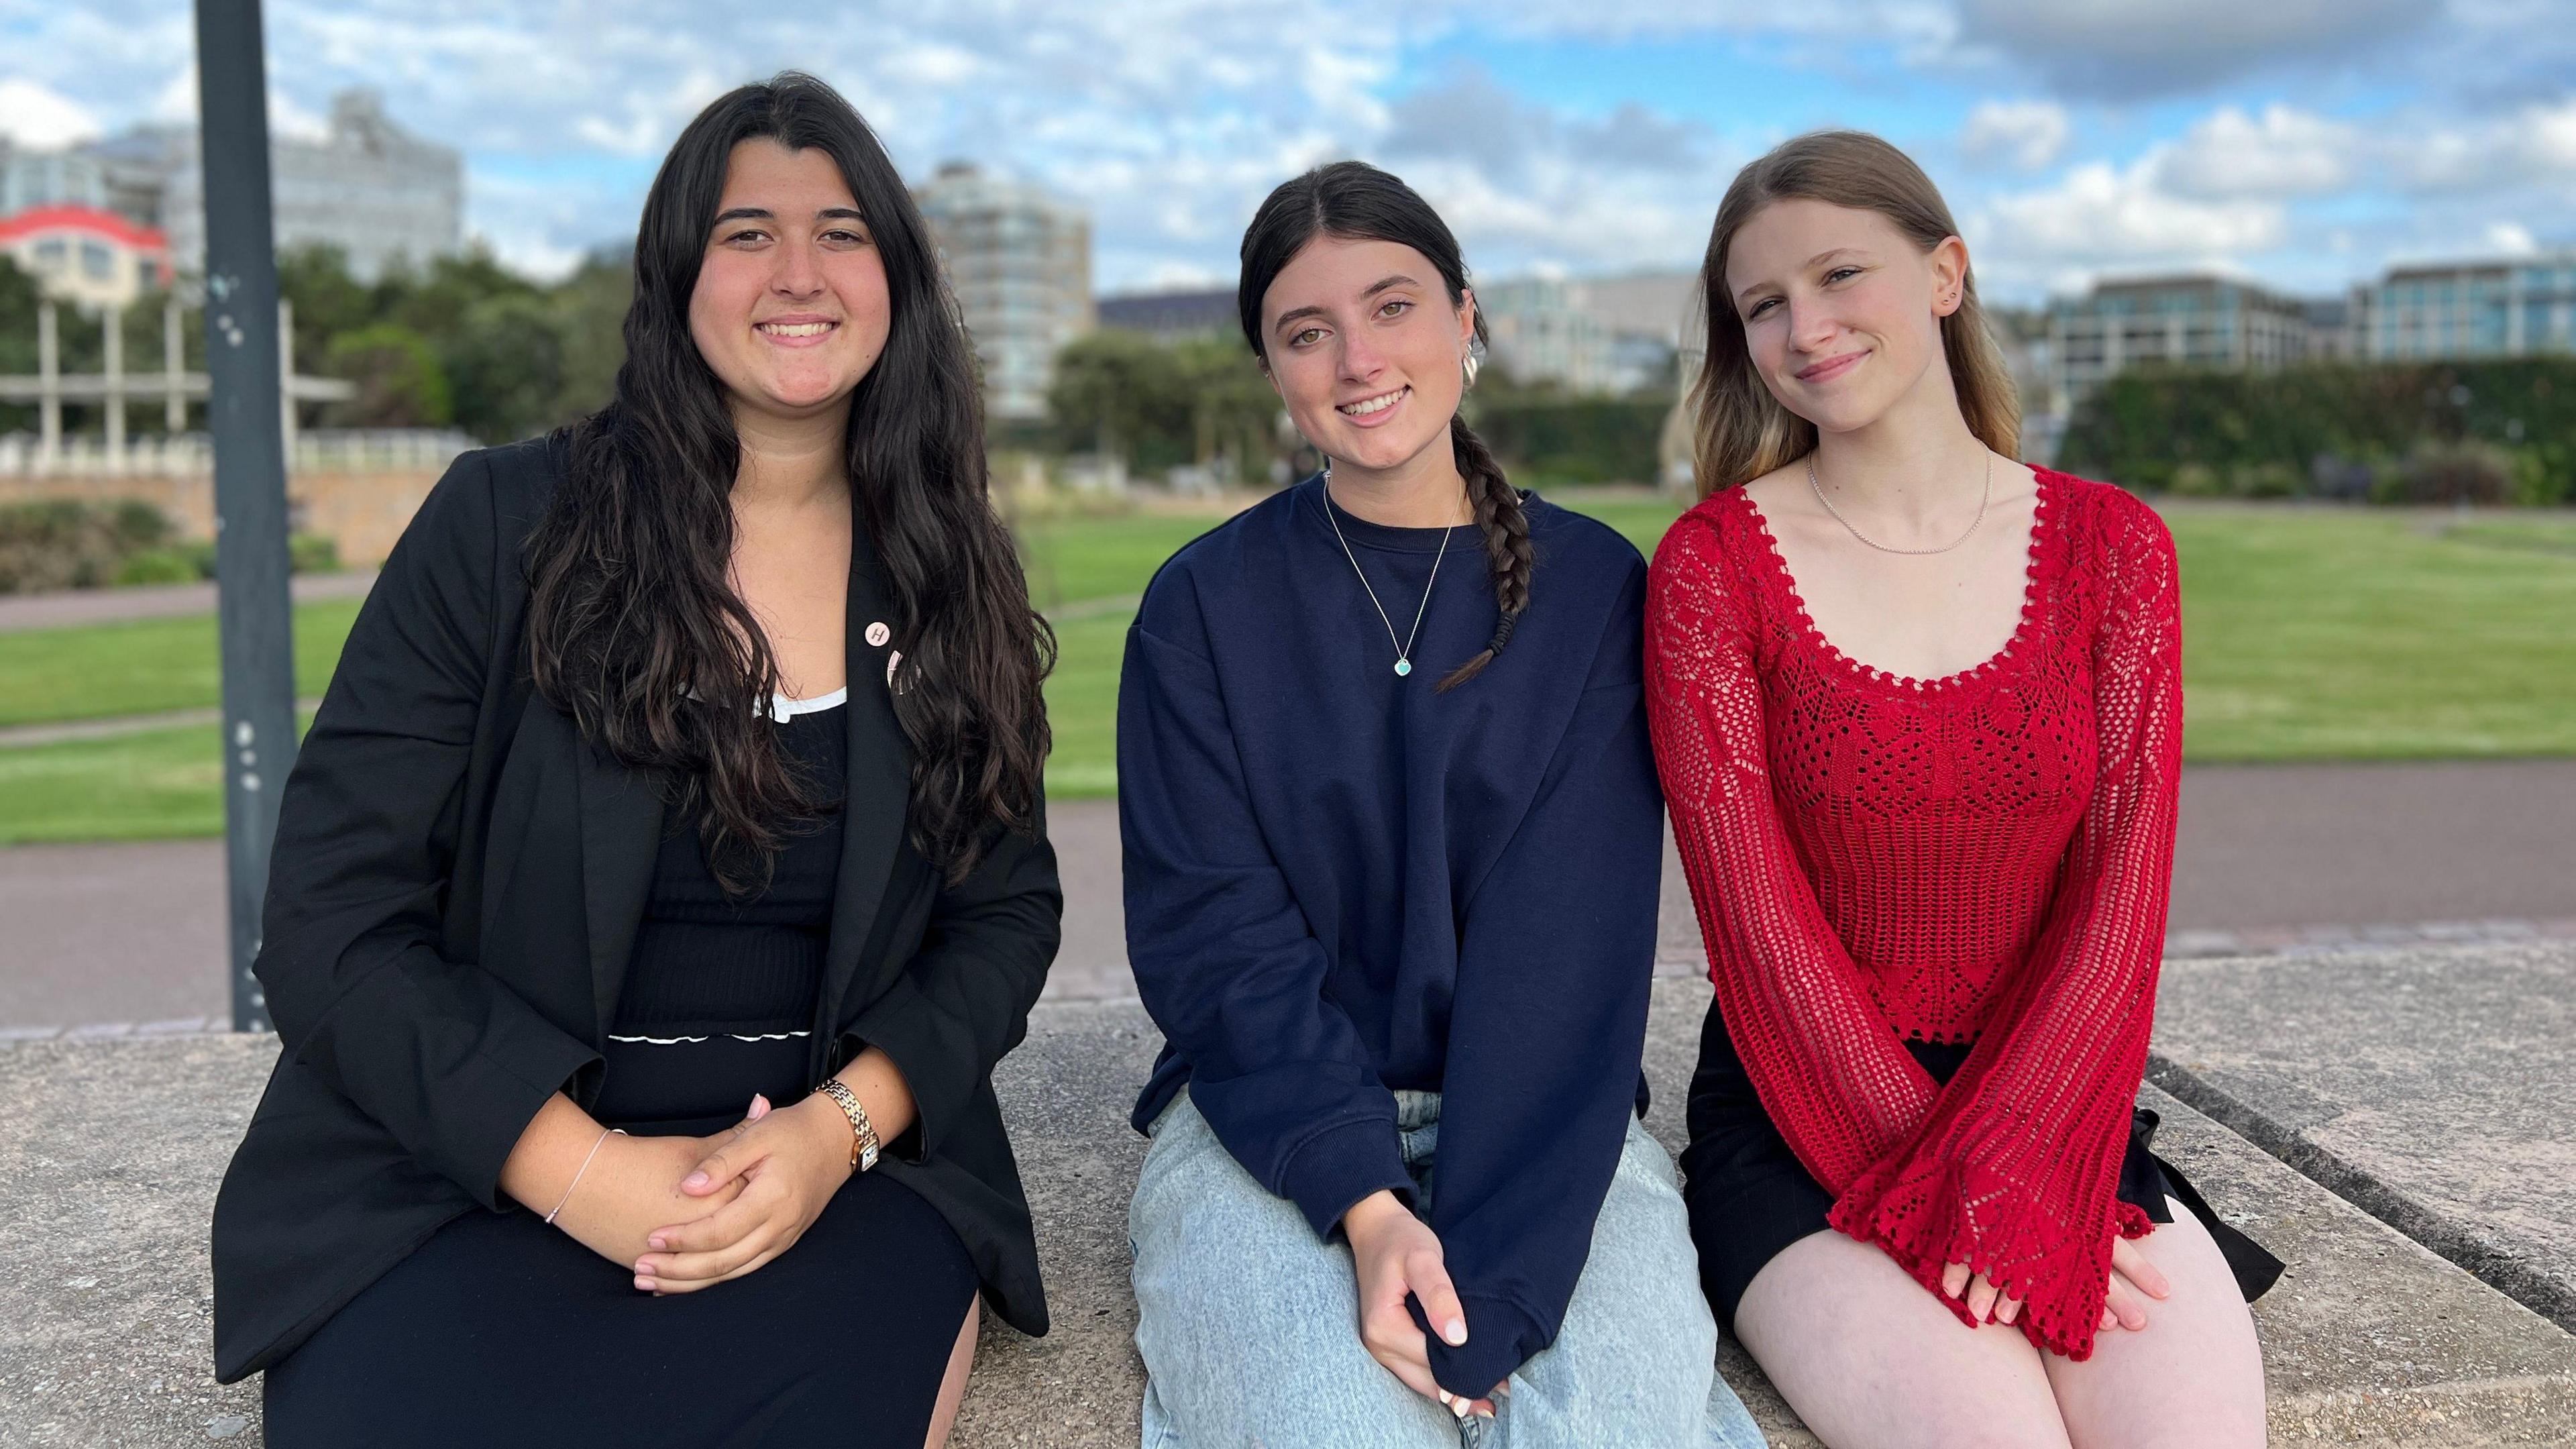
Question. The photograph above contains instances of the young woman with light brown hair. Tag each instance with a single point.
(1917, 710)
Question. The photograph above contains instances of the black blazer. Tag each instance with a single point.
(455, 886)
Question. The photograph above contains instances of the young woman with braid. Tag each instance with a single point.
(1918, 712)
(1391, 870)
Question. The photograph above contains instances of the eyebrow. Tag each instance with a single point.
(1381, 284)
(762, 213)
(1817, 259)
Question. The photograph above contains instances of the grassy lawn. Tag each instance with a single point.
(2310, 635)
(146, 667)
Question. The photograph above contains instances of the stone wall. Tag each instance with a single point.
(363, 513)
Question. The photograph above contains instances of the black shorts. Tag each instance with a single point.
(1750, 1197)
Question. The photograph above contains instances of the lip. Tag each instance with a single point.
(832, 327)
(1831, 367)
(1404, 395)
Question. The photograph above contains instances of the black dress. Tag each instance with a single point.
(1750, 1197)
(501, 1330)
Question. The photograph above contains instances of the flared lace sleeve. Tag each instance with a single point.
(1840, 1085)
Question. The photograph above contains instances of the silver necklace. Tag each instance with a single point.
(1403, 646)
(1983, 499)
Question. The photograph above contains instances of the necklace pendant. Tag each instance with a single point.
(1403, 666)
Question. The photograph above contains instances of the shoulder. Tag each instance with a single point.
(488, 497)
(2107, 518)
(1211, 567)
(1572, 540)
(1706, 536)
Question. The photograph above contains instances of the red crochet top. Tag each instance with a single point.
(1981, 857)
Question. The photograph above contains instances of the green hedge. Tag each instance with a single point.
(2488, 431)
(1547, 441)
(69, 544)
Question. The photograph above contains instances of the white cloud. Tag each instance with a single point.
(2513, 239)
(176, 104)
(2025, 134)
(2101, 217)
(2283, 152)
(35, 115)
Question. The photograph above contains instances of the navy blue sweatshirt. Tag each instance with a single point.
(1339, 882)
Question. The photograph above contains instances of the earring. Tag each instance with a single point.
(1469, 367)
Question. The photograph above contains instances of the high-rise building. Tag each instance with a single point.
(1173, 316)
(2506, 307)
(1019, 260)
(1593, 335)
(2193, 321)
(381, 195)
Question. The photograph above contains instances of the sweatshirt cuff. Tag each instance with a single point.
(1501, 1336)
(1340, 1165)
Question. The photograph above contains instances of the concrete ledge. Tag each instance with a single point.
(2427, 1086)
(110, 1150)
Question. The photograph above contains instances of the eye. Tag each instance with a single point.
(1838, 273)
(1760, 307)
(1305, 336)
(1395, 307)
(746, 234)
(847, 235)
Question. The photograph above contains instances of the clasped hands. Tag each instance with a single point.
(688, 1212)
(2133, 1280)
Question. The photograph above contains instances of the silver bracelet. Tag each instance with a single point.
(585, 1167)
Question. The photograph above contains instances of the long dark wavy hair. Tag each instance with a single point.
(1355, 201)
(636, 629)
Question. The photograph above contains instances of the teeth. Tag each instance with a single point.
(795, 329)
(1372, 405)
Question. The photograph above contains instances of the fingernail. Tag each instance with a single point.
(695, 1180)
(655, 1242)
(1455, 1330)
(644, 1284)
(1485, 1413)
(1458, 1407)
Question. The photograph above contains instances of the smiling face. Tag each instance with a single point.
(790, 308)
(1841, 311)
(1364, 347)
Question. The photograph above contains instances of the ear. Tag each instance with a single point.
(1949, 275)
(1467, 319)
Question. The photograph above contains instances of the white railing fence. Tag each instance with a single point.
(317, 450)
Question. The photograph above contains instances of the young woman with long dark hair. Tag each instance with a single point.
(1918, 713)
(678, 764)
(1391, 869)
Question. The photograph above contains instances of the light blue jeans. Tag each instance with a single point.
(1249, 1325)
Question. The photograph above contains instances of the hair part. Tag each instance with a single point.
(1741, 431)
(1354, 201)
(635, 627)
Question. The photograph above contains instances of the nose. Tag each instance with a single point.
(795, 273)
(1360, 359)
(1811, 324)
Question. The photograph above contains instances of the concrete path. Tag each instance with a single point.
(110, 1152)
(2289, 857)
(156, 601)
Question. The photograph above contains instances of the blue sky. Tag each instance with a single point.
(2305, 143)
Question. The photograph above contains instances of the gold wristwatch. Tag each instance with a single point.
(863, 1140)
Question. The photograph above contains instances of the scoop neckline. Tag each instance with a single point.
(2043, 529)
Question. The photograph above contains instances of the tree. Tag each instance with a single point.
(399, 381)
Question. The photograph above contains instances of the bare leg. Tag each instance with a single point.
(2192, 1377)
(1872, 1361)
(952, 1389)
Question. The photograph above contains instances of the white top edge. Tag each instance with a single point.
(782, 709)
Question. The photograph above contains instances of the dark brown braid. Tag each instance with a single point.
(1505, 524)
